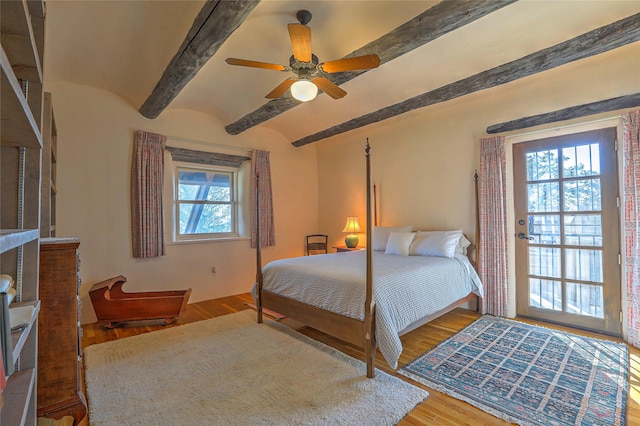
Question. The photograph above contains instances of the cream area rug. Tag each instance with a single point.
(230, 370)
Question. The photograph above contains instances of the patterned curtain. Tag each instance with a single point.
(260, 166)
(631, 190)
(492, 247)
(147, 178)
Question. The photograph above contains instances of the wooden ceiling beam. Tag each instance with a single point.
(594, 42)
(215, 22)
(584, 110)
(438, 20)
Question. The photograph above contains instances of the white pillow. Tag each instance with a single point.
(435, 243)
(463, 244)
(399, 243)
(381, 235)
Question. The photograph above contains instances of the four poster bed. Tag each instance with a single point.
(334, 293)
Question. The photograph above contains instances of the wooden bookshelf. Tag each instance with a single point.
(12, 238)
(19, 337)
(17, 395)
(19, 126)
(21, 142)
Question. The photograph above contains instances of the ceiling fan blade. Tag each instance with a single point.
(350, 64)
(255, 64)
(300, 41)
(281, 88)
(328, 87)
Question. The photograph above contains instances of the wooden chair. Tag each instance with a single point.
(316, 244)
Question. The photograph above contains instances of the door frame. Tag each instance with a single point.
(610, 324)
(516, 138)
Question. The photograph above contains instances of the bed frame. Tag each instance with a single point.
(358, 332)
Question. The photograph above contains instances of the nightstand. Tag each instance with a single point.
(342, 249)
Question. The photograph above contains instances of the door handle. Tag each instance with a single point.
(522, 236)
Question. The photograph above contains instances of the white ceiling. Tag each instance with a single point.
(124, 46)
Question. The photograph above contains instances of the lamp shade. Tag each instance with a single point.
(352, 225)
(304, 90)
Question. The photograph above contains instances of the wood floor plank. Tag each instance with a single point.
(439, 409)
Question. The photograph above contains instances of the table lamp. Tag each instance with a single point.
(352, 227)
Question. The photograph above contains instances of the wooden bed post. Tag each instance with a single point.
(259, 277)
(369, 306)
(375, 206)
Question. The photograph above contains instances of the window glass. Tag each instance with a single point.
(544, 229)
(206, 202)
(544, 262)
(542, 165)
(581, 160)
(545, 294)
(543, 197)
(583, 230)
(582, 195)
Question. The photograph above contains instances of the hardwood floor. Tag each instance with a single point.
(438, 409)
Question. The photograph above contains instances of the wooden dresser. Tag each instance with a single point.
(59, 333)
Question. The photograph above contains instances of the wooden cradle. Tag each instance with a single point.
(113, 305)
(358, 332)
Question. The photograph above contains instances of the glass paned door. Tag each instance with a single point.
(567, 238)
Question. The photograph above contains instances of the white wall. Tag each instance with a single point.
(423, 162)
(95, 144)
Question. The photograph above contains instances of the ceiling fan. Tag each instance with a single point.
(308, 69)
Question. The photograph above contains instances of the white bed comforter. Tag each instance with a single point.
(406, 288)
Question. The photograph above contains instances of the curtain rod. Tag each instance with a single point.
(209, 144)
(566, 126)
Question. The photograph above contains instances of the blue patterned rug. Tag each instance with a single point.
(529, 375)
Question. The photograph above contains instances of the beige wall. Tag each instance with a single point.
(95, 142)
(423, 162)
(423, 165)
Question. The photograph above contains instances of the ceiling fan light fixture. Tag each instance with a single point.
(304, 90)
(309, 72)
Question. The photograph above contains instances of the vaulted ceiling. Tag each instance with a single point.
(446, 50)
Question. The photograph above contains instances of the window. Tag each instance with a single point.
(208, 196)
(206, 202)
